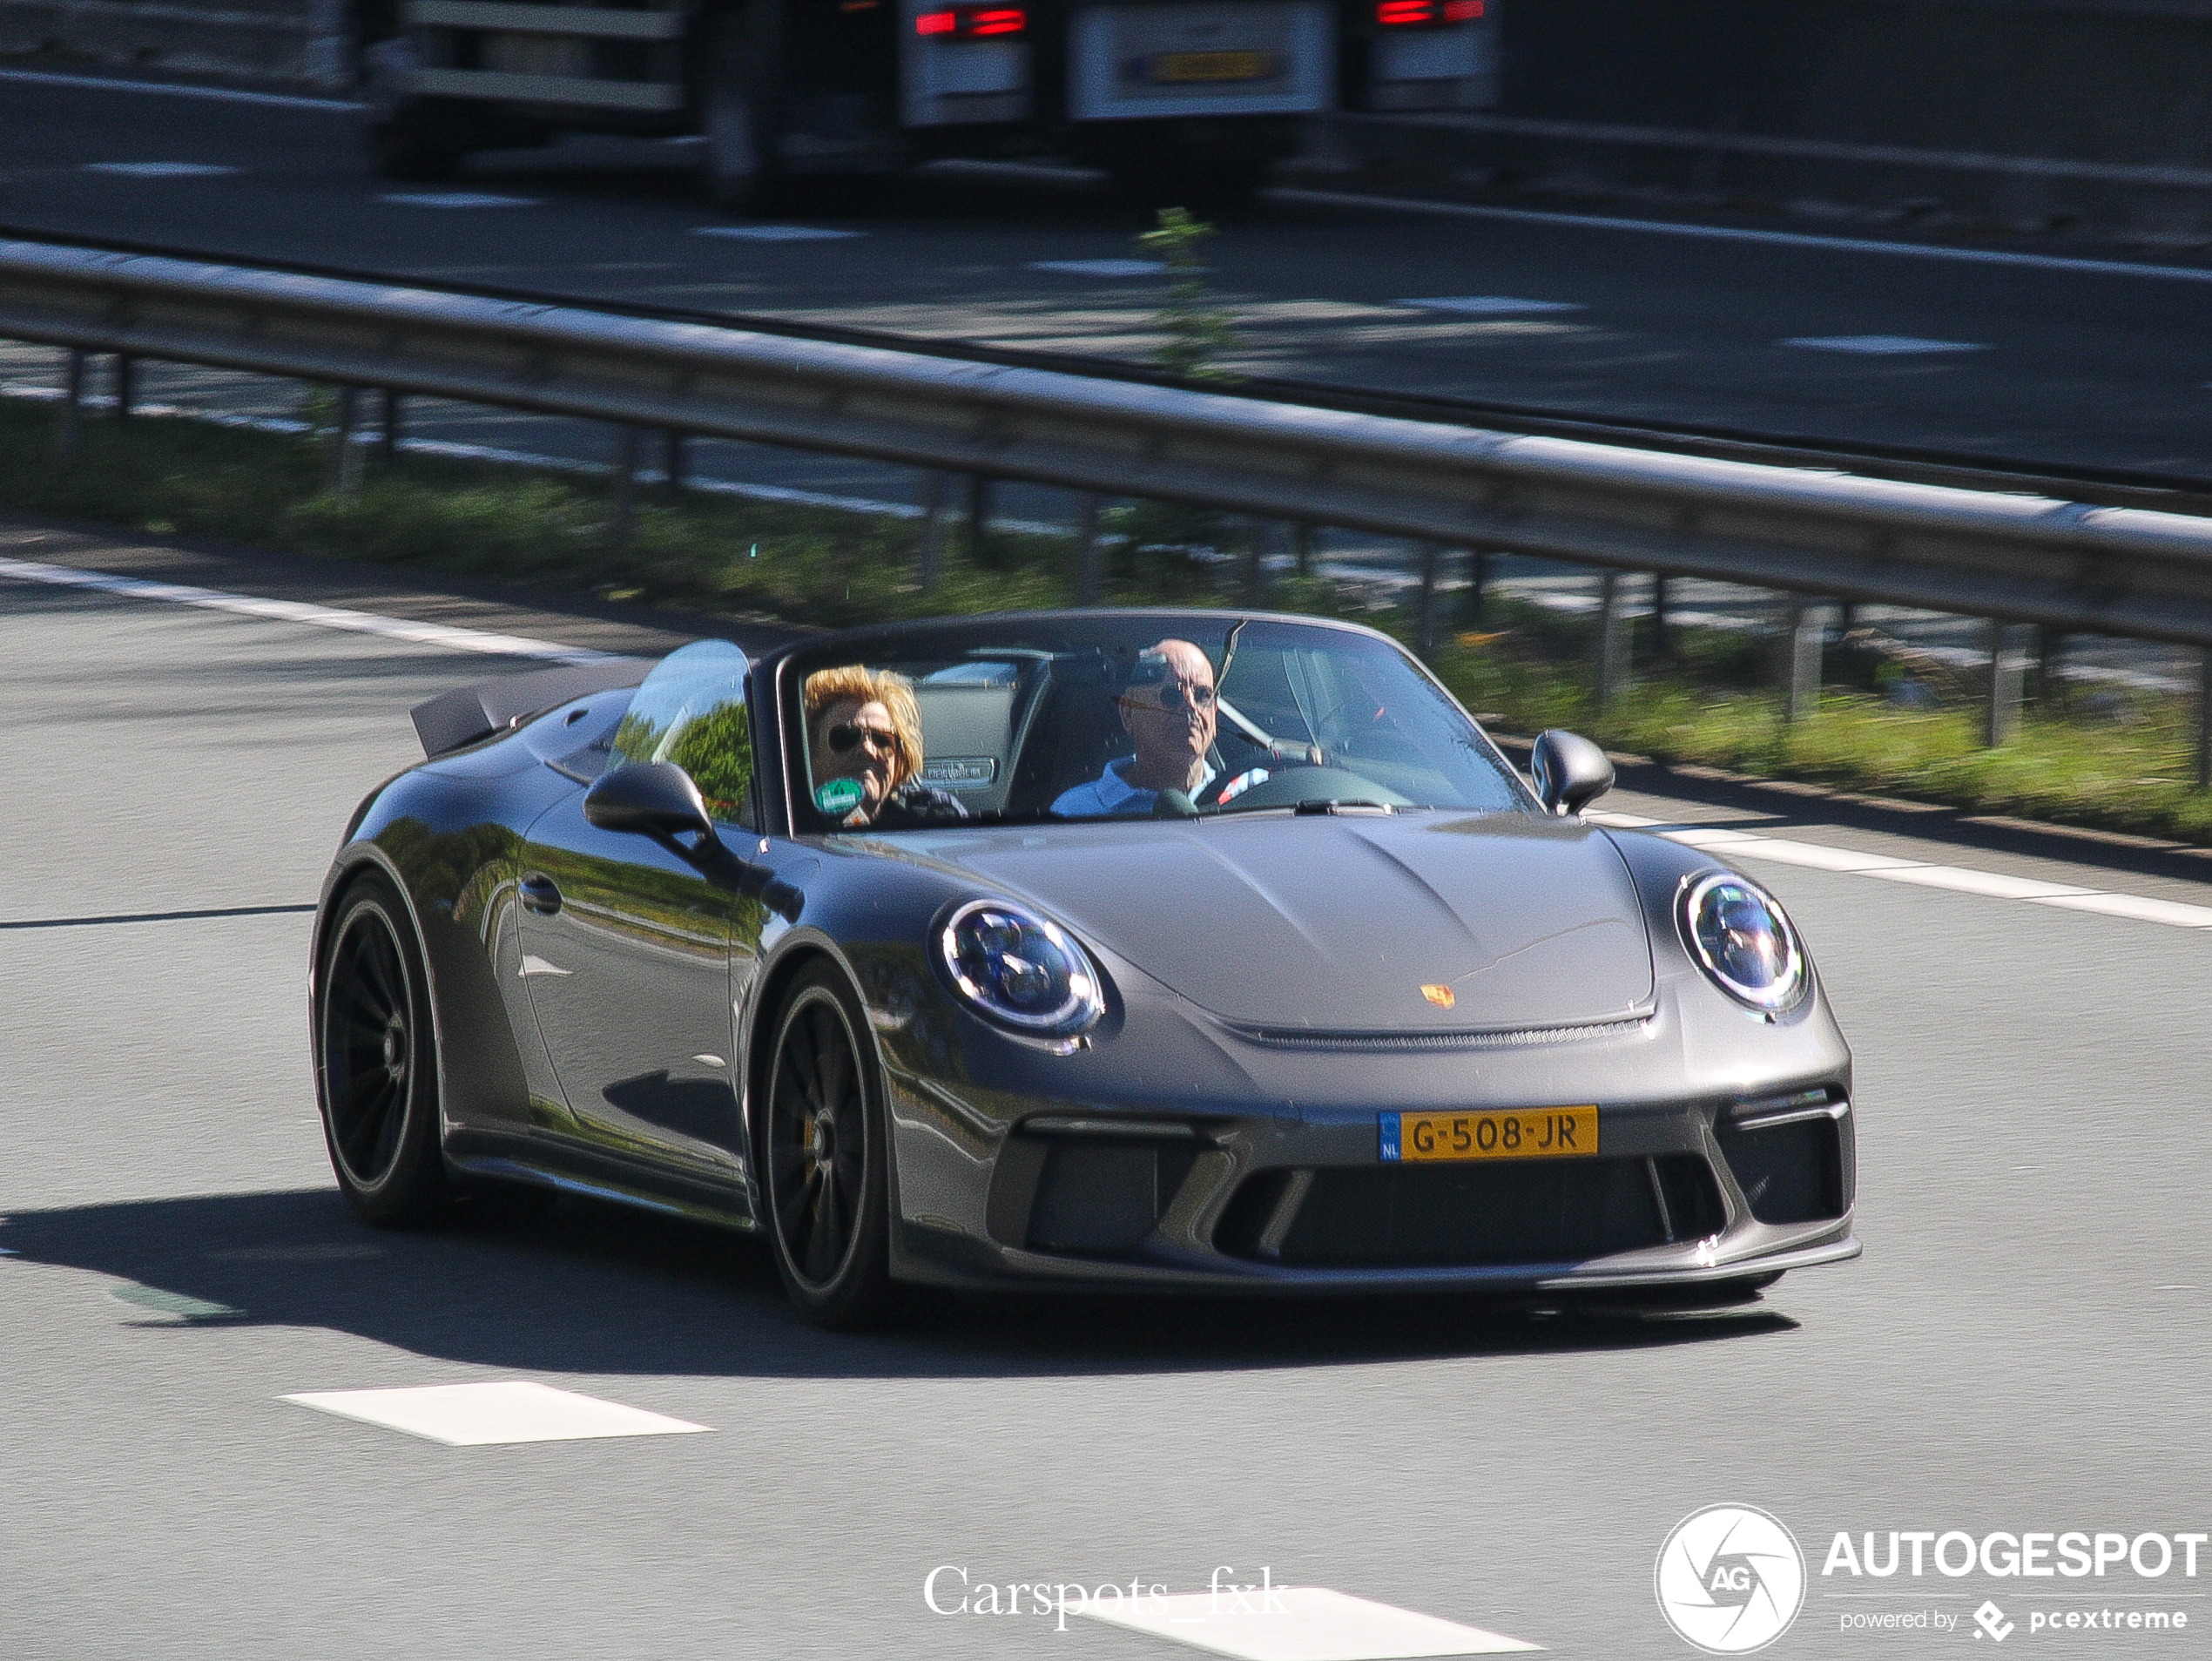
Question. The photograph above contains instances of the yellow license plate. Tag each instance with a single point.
(1525, 1133)
(1213, 66)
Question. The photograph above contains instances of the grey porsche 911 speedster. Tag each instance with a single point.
(1183, 950)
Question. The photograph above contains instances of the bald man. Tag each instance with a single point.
(1169, 716)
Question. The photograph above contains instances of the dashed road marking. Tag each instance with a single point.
(1492, 306)
(454, 199)
(183, 1306)
(1734, 844)
(476, 1416)
(1101, 268)
(1298, 1624)
(159, 169)
(1881, 345)
(775, 232)
(320, 617)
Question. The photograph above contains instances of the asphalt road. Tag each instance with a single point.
(2031, 358)
(2022, 1347)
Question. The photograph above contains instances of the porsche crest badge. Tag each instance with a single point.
(1442, 997)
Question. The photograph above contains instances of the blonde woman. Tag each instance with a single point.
(864, 744)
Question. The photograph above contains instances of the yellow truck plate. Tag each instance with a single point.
(1520, 1133)
(1213, 66)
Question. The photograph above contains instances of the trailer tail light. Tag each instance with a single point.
(983, 23)
(1400, 13)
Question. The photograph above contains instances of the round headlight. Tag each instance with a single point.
(1744, 942)
(1020, 969)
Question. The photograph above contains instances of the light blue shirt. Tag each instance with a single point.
(1111, 795)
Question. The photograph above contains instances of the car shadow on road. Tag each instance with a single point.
(593, 1289)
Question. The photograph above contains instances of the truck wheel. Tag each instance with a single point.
(737, 167)
(418, 144)
(1208, 185)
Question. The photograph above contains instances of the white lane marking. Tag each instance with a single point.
(775, 232)
(475, 1415)
(1993, 883)
(2171, 912)
(454, 199)
(1492, 306)
(158, 169)
(1819, 856)
(539, 966)
(160, 89)
(1732, 844)
(320, 617)
(1101, 268)
(1880, 346)
(1299, 1624)
(1737, 233)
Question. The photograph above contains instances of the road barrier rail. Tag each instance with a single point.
(2125, 571)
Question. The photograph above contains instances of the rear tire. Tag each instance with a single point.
(419, 143)
(376, 1061)
(737, 162)
(823, 1157)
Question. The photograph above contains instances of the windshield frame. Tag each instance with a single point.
(779, 677)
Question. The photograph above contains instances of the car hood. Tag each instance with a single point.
(1345, 924)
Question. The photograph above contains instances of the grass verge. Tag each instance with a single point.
(2127, 766)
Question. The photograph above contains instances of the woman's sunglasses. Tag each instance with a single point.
(847, 736)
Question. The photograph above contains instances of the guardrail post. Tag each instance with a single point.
(345, 454)
(70, 437)
(1302, 547)
(126, 385)
(672, 457)
(1662, 644)
(625, 469)
(2001, 718)
(1476, 606)
(1801, 642)
(2204, 719)
(1425, 607)
(1090, 549)
(387, 426)
(1259, 534)
(2050, 668)
(979, 515)
(1612, 637)
(932, 544)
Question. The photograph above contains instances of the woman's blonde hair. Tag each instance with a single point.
(854, 683)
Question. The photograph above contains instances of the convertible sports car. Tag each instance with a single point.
(1172, 949)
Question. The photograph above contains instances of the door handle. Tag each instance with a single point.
(540, 895)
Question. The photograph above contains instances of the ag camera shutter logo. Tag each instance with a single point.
(1729, 1579)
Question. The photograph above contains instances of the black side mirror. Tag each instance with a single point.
(653, 798)
(1571, 773)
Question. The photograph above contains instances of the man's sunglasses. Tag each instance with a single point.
(847, 736)
(1174, 694)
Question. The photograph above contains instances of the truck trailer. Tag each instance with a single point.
(1177, 100)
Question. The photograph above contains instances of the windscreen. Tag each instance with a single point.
(1128, 718)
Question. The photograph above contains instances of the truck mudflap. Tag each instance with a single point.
(1205, 58)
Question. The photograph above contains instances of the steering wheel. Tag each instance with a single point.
(1309, 783)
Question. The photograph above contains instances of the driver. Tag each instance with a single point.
(1170, 716)
(864, 739)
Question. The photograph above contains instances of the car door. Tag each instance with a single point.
(634, 952)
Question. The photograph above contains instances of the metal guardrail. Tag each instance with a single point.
(2112, 570)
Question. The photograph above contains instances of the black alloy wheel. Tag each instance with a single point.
(824, 1180)
(376, 1061)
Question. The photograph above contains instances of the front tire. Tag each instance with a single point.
(376, 1061)
(823, 1156)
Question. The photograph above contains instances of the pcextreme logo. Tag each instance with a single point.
(1729, 1579)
